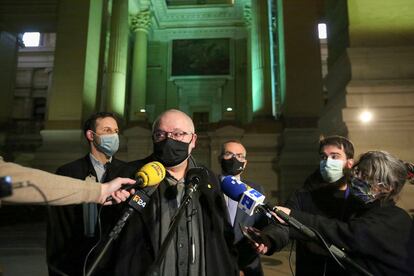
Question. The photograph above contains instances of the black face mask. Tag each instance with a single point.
(231, 166)
(171, 152)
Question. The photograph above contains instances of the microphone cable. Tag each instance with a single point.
(290, 257)
(85, 262)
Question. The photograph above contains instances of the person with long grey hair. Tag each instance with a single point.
(378, 236)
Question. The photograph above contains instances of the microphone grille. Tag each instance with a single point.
(151, 173)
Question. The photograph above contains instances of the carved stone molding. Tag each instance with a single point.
(247, 14)
(212, 15)
(141, 21)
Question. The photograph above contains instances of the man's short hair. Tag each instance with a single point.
(340, 142)
(231, 141)
(90, 123)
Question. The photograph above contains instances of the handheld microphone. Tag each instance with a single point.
(251, 200)
(150, 174)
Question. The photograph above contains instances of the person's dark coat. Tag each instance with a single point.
(249, 260)
(137, 251)
(322, 206)
(66, 244)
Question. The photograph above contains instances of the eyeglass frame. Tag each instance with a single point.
(170, 134)
(238, 156)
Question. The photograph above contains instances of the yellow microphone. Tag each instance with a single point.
(150, 174)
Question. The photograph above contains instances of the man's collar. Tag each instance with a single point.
(96, 162)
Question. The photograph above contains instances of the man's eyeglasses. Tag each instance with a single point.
(238, 156)
(160, 135)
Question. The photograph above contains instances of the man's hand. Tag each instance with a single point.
(112, 188)
(256, 239)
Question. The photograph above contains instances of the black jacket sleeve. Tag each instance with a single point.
(380, 237)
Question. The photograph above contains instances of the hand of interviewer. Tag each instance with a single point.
(113, 188)
(284, 210)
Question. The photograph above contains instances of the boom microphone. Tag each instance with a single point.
(150, 174)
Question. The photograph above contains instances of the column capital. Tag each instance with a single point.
(247, 15)
(141, 21)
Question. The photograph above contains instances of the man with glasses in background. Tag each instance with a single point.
(71, 229)
(203, 242)
(233, 162)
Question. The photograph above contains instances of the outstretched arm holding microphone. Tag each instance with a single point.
(58, 190)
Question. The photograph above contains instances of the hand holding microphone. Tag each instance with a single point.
(150, 174)
(251, 200)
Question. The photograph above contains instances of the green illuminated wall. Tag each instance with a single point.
(381, 22)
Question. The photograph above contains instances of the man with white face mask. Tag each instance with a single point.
(324, 193)
(71, 229)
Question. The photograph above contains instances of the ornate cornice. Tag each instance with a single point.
(196, 16)
(247, 14)
(194, 33)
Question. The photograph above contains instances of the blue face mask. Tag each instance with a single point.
(108, 143)
(362, 190)
(331, 169)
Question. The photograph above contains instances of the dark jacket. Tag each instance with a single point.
(249, 260)
(137, 250)
(324, 202)
(379, 237)
(66, 244)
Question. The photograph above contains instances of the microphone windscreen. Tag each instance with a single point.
(232, 187)
(151, 174)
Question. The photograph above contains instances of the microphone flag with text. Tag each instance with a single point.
(251, 200)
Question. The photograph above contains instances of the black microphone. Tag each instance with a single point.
(251, 200)
(138, 201)
(196, 176)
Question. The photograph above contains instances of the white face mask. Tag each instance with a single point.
(331, 169)
(108, 143)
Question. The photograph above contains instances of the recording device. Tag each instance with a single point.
(250, 235)
(150, 174)
(6, 186)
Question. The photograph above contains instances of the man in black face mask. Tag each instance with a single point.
(203, 242)
(233, 162)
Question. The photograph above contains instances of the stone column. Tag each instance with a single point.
(260, 61)
(372, 69)
(75, 76)
(117, 58)
(72, 95)
(248, 107)
(303, 99)
(8, 61)
(140, 24)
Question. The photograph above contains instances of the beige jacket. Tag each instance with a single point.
(58, 190)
